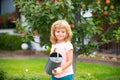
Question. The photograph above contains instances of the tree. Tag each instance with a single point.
(103, 26)
(41, 14)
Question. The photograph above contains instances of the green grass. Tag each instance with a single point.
(98, 71)
(15, 68)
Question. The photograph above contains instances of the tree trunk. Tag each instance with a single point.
(75, 55)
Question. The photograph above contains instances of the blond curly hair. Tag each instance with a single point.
(60, 24)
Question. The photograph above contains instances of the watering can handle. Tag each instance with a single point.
(55, 50)
(57, 55)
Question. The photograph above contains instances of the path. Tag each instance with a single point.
(32, 54)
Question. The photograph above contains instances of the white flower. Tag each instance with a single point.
(26, 70)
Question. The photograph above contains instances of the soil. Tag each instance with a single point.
(4, 54)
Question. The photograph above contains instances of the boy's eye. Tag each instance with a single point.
(58, 31)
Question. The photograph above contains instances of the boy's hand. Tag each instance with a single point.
(57, 70)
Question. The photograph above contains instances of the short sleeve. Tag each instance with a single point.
(52, 49)
(69, 46)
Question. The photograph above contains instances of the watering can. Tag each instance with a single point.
(53, 62)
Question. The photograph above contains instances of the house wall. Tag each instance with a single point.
(7, 6)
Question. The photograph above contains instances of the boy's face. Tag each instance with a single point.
(60, 34)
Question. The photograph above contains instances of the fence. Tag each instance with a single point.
(111, 48)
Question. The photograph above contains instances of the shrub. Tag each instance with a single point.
(7, 20)
(2, 74)
(10, 42)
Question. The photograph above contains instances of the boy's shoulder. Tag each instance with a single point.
(68, 43)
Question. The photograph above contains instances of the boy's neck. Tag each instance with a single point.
(60, 41)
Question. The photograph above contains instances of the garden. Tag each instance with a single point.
(16, 66)
(89, 35)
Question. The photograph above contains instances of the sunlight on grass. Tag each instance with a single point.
(98, 71)
(34, 68)
(18, 67)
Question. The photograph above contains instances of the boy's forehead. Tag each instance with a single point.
(59, 26)
(60, 29)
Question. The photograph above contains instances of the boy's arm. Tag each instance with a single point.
(69, 62)
(69, 59)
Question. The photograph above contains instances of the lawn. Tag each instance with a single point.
(33, 69)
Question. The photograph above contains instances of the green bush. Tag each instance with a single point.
(2, 74)
(10, 42)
